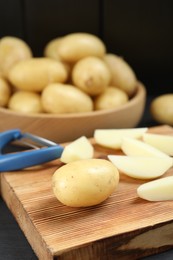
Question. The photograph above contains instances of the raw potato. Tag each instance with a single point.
(51, 49)
(79, 149)
(25, 102)
(112, 138)
(91, 75)
(76, 46)
(133, 147)
(85, 183)
(161, 142)
(162, 109)
(140, 167)
(111, 98)
(123, 76)
(63, 98)
(5, 92)
(12, 50)
(36, 73)
(157, 190)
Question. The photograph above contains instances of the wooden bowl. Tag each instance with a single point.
(67, 127)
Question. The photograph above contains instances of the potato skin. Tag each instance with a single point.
(5, 92)
(91, 75)
(111, 98)
(123, 76)
(25, 102)
(12, 50)
(161, 109)
(65, 98)
(85, 182)
(36, 73)
(76, 46)
(51, 49)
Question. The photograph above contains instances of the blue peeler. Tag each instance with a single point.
(32, 157)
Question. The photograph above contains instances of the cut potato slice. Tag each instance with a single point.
(161, 142)
(135, 147)
(112, 138)
(141, 167)
(157, 190)
(79, 149)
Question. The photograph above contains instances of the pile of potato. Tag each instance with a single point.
(75, 74)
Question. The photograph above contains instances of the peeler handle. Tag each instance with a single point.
(17, 161)
(8, 136)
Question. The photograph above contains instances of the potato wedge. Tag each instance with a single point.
(157, 190)
(79, 149)
(162, 142)
(133, 147)
(141, 167)
(112, 138)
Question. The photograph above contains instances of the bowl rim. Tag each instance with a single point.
(140, 92)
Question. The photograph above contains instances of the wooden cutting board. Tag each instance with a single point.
(123, 227)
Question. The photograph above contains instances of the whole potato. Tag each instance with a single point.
(91, 75)
(76, 46)
(25, 102)
(36, 73)
(85, 182)
(123, 76)
(12, 50)
(5, 92)
(63, 98)
(161, 109)
(111, 98)
(51, 49)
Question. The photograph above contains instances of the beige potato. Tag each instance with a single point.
(85, 182)
(123, 76)
(141, 167)
(63, 98)
(162, 142)
(133, 147)
(36, 73)
(157, 190)
(162, 109)
(12, 50)
(76, 46)
(111, 98)
(112, 138)
(25, 102)
(51, 49)
(79, 149)
(5, 92)
(91, 75)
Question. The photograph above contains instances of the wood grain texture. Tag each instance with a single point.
(123, 227)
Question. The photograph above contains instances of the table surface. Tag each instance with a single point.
(13, 244)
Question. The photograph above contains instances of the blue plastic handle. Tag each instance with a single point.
(21, 160)
(9, 136)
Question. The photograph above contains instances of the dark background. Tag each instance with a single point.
(140, 31)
